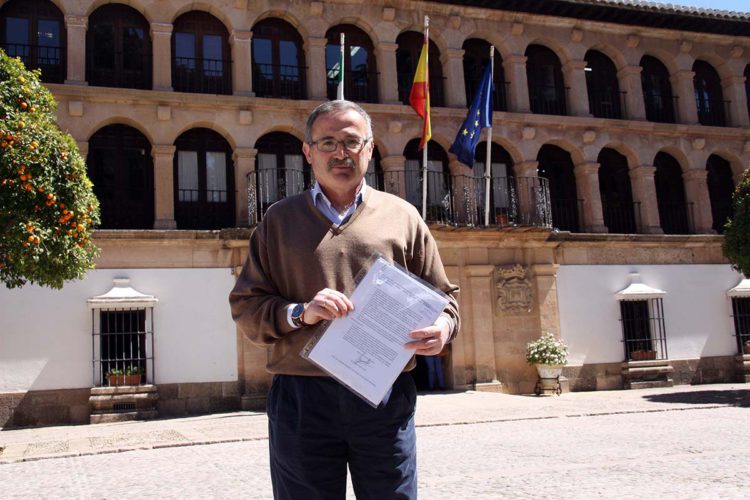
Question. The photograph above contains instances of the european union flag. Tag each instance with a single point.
(479, 117)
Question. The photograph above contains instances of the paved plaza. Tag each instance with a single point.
(681, 442)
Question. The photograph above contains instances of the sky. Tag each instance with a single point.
(735, 5)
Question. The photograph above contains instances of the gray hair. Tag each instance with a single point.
(334, 107)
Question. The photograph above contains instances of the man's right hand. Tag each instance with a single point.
(326, 305)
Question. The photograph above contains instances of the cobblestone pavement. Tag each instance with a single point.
(688, 442)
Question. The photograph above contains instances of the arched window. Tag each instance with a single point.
(278, 60)
(657, 91)
(556, 166)
(201, 58)
(747, 87)
(360, 69)
(118, 48)
(439, 205)
(203, 181)
(709, 98)
(503, 197)
(603, 88)
(720, 187)
(670, 195)
(119, 164)
(545, 79)
(34, 31)
(616, 192)
(476, 57)
(410, 45)
(281, 169)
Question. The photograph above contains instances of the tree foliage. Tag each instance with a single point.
(47, 206)
(737, 230)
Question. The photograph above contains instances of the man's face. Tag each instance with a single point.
(339, 172)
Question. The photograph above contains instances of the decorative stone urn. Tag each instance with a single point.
(549, 372)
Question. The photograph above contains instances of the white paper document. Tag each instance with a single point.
(365, 350)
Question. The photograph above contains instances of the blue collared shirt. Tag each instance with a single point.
(323, 204)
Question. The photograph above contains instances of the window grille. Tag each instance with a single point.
(123, 346)
(643, 330)
(741, 316)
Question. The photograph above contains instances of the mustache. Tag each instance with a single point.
(346, 162)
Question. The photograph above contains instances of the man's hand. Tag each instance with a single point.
(431, 340)
(326, 305)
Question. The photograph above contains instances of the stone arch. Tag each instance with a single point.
(576, 154)
(360, 23)
(139, 5)
(664, 57)
(561, 50)
(501, 47)
(734, 160)
(676, 153)
(209, 8)
(634, 161)
(120, 120)
(284, 15)
(435, 37)
(284, 128)
(615, 55)
(719, 65)
(222, 131)
(60, 4)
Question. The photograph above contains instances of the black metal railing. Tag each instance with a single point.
(676, 218)
(267, 186)
(123, 346)
(741, 317)
(566, 214)
(204, 76)
(359, 85)
(660, 108)
(437, 89)
(605, 103)
(712, 112)
(621, 218)
(124, 70)
(50, 60)
(499, 96)
(548, 99)
(644, 331)
(194, 212)
(279, 80)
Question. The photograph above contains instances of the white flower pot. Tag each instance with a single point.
(549, 371)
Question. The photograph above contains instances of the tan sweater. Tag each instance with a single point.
(295, 252)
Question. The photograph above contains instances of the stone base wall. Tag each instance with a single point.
(179, 400)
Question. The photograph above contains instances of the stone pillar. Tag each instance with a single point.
(455, 86)
(696, 192)
(518, 90)
(244, 164)
(738, 110)
(315, 50)
(83, 148)
(527, 179)
(683, 87)
(587, 184)
(644, 193)
(481, 311)
(161, 41)
(630, 83)
(388, 77)
(163, 155)
(394, 175)
(575, 88)
(242, 72)
(76, 52)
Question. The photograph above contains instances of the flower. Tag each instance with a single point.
(547, 350)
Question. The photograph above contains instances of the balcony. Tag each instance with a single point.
(204, 76)
(279, 80)
(51, 60)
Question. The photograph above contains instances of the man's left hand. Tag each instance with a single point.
(430, 341)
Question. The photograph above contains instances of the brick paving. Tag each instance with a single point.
(682, 442)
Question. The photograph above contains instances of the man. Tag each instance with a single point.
(301, 268)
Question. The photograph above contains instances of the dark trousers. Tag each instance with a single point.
(317, 426)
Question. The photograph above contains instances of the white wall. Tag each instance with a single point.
(46, 340)
(697, 310)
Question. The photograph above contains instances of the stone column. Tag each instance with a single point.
(527, 180)
(163, 155)
(481, 311)
(630, 83)
(696, 192)
(576, 90)
(242, 71)
(644, 193)
(161, 41)
(455, 86)
(83, 148)
(394, 175)
(683, 87)
(244, 164)
(76, 52)
(315, 51)
(587, 184)
(518, 90)
(738, 110)
(388, 77)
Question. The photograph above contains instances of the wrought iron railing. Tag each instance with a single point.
(437, 89)
(194, 212)
(566, 214)
(279, 80)
(548, 99)
(359, 85)
(621, 218)
(204, 76)
(51, 60)
(607, 103)
(267, 186)
(125, 70)
(660, 108)
(499, 96)
(676, 218)
(712, 112)
(644, 331)
(123, 346)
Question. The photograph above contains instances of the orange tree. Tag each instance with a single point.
(47, 206)
(737, 230)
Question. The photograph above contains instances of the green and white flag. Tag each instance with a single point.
(340, 89)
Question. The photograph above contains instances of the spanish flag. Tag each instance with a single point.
(419, 98)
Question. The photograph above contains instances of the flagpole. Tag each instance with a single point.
(488, 161)
(340, 89)
(426, 117)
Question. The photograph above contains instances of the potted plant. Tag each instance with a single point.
(133, 375)
(642, 355)
(549, 354)
(115, 377)
(746, 347)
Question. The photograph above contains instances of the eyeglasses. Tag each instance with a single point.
(351, 144)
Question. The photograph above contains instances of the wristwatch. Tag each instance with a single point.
(297, 312)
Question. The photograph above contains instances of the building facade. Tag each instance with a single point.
(619, 132)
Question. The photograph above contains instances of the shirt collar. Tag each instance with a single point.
(317, 193)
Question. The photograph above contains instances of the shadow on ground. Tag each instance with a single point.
(729, 398)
